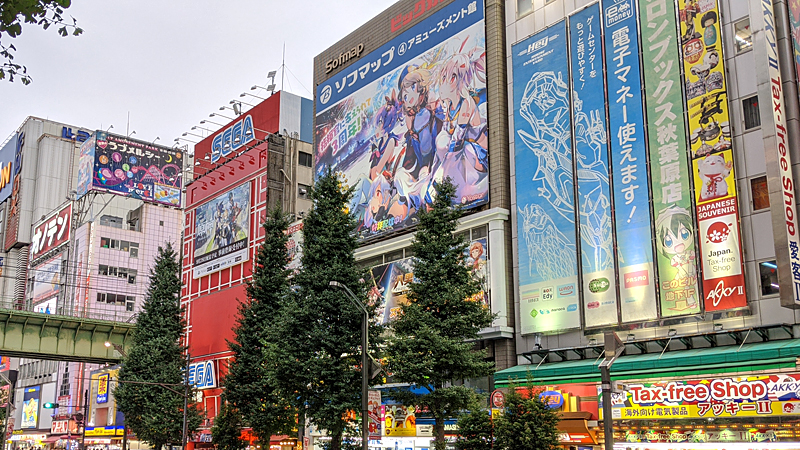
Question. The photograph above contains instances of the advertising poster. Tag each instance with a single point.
(47, 280)
(389, 288)
(757, 396)
(222, 231)
(546, 247)
(407, 115)
(46, 307)
(676, 253)
(4, 395)
(51, 233)
(794, 21)
(400, 420)
(475, 257)
(86, 167)
(7, 168)
(30, 407)
(629, 163)
(374, 412)
(712, 153)
(5, 363)
(590, 134)
(12, 222)
(779, 157)
(137, 169)
(295, 246)
(102, 388)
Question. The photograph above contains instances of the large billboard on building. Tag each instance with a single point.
(46, 280)
(12, 222)
(295, 246)
(132, 168)
(546, 244)
(222, 231)
(51, 233)
(30, 407)
(7, 154)
(408, 114)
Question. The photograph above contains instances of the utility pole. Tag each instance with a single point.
(185, 402)
(613, 348)
(85, 418)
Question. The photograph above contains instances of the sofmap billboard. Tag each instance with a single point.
(546, 245)
(590, 133)
(222, 231)
(133, 168)
(30, 407)
(712, 156)
(756, 396)
(669, 161)
(407, 115)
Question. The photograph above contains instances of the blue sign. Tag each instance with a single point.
(629, 160)
(7, 154)
(439, 26)
(202, 375)
(591, 161)
(546, 244)
(233, 138)
(554, 399)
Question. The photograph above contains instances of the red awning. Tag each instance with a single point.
(55, 438)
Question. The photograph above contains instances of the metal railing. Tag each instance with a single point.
(78, 312)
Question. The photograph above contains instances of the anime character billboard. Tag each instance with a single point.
(406, 116)
(132, 168)
(222, 231)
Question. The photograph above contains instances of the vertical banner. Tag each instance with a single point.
(712, 156)
(629, 162)
(374, 412)
(590, 135)
(779, 161)
(676, 254)
(794, 20)
(548, 272)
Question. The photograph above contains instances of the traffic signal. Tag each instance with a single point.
(50, 405)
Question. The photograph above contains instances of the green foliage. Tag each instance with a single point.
(527, 423)
(474, 430)
(430, 343)
(227, 430)
(250, 384)
(44, 13)
(152, 411)
(318, 352)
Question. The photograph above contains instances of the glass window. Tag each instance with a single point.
(132, 276)
(124, 246)
(524, 7)
(134, 252)
(129, 306)
(480, 232)
(394, 256)
(305, 159)
(302, 191)
(769, 277)
(101, 297)
(752, 117)
(103, 269)
(115, 243)
(122, 272)
(112, 271)
(105, 242)
(760, 193)
(744, 36)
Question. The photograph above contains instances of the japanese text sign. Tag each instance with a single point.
(51, 233)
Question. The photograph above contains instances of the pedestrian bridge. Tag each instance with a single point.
(29, 334)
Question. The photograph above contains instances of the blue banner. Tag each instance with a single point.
(548, 273)
(629, 162)
(590, 132)
(441, 25)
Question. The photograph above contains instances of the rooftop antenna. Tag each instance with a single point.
(283, 64)
(128, 126)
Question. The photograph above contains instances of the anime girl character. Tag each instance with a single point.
(386, 144)
(675, 234)
(422, 123)
(385, 203)
(462, 143)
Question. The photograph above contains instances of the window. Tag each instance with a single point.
(394, 256)
(769, 277)
(122, 272)
(305, 159)
(524, 7)
(161, 223)
(112, 271)
(124, 245)
(111, 221)
(105, 242)
(101, 297)
(129, 305)
(480, 232)
(752, 117)
(103, 270)
(760, 193)
(744, 36)
(302, 191)
(135, 251)
(132, 276)
(370, 262)
(114, 244)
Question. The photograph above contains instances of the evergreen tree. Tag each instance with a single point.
(227, 430)
(475, 430)
(528, 423)
(319, 355)
(250, 382)
(430, 344)
(150, 391)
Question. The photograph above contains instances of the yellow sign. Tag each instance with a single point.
(400, 420)
(104, 431)
(102, 388)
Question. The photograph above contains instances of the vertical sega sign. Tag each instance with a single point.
(590, 135)
(629, 162)
(232, 138)
(546, 245)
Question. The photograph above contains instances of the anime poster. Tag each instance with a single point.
(629, 163)
(590, 133)
(5, 363)
(374, 413)
(389, 288)
(676, 253)
(295, 246)
(46, 280)
(546, 244)
(407, 115)
(712, 155)
(30, 407)
(86, 167)
(476, 258)
(137, 169)
(222, 231)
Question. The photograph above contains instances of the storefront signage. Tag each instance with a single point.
(576, 438)
(51, 233)
(102, 388)
(232, 138)
(710, 398)
(498, 399)
(59, 427)
(222, 231)
(344, 57)
(202, 375)
(698, 436)
(374, 413)
(399, 420)
(80, 136)
(554, 399)
(105, 431)
(6, 168)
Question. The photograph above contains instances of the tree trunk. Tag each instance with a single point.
(336, 441)
(438, 431)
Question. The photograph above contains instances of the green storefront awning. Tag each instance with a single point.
(750, 357)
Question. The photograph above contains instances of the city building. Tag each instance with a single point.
(261, 159)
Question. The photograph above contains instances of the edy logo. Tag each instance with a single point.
(720, 292)
(599, 285)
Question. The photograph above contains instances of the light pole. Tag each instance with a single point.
(364, 363)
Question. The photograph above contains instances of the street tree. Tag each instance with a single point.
(430, 341)
(150, 391)
(250, 382)
(475, 430)
(227, 430)
(318, 356)
(527, 422)
(44, 13)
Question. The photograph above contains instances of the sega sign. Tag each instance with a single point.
(232, 138)
(202, 375)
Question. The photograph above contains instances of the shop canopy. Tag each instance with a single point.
(749, 357)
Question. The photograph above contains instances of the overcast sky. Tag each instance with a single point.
(169, 63)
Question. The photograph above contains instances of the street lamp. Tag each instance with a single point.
(364, 363)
